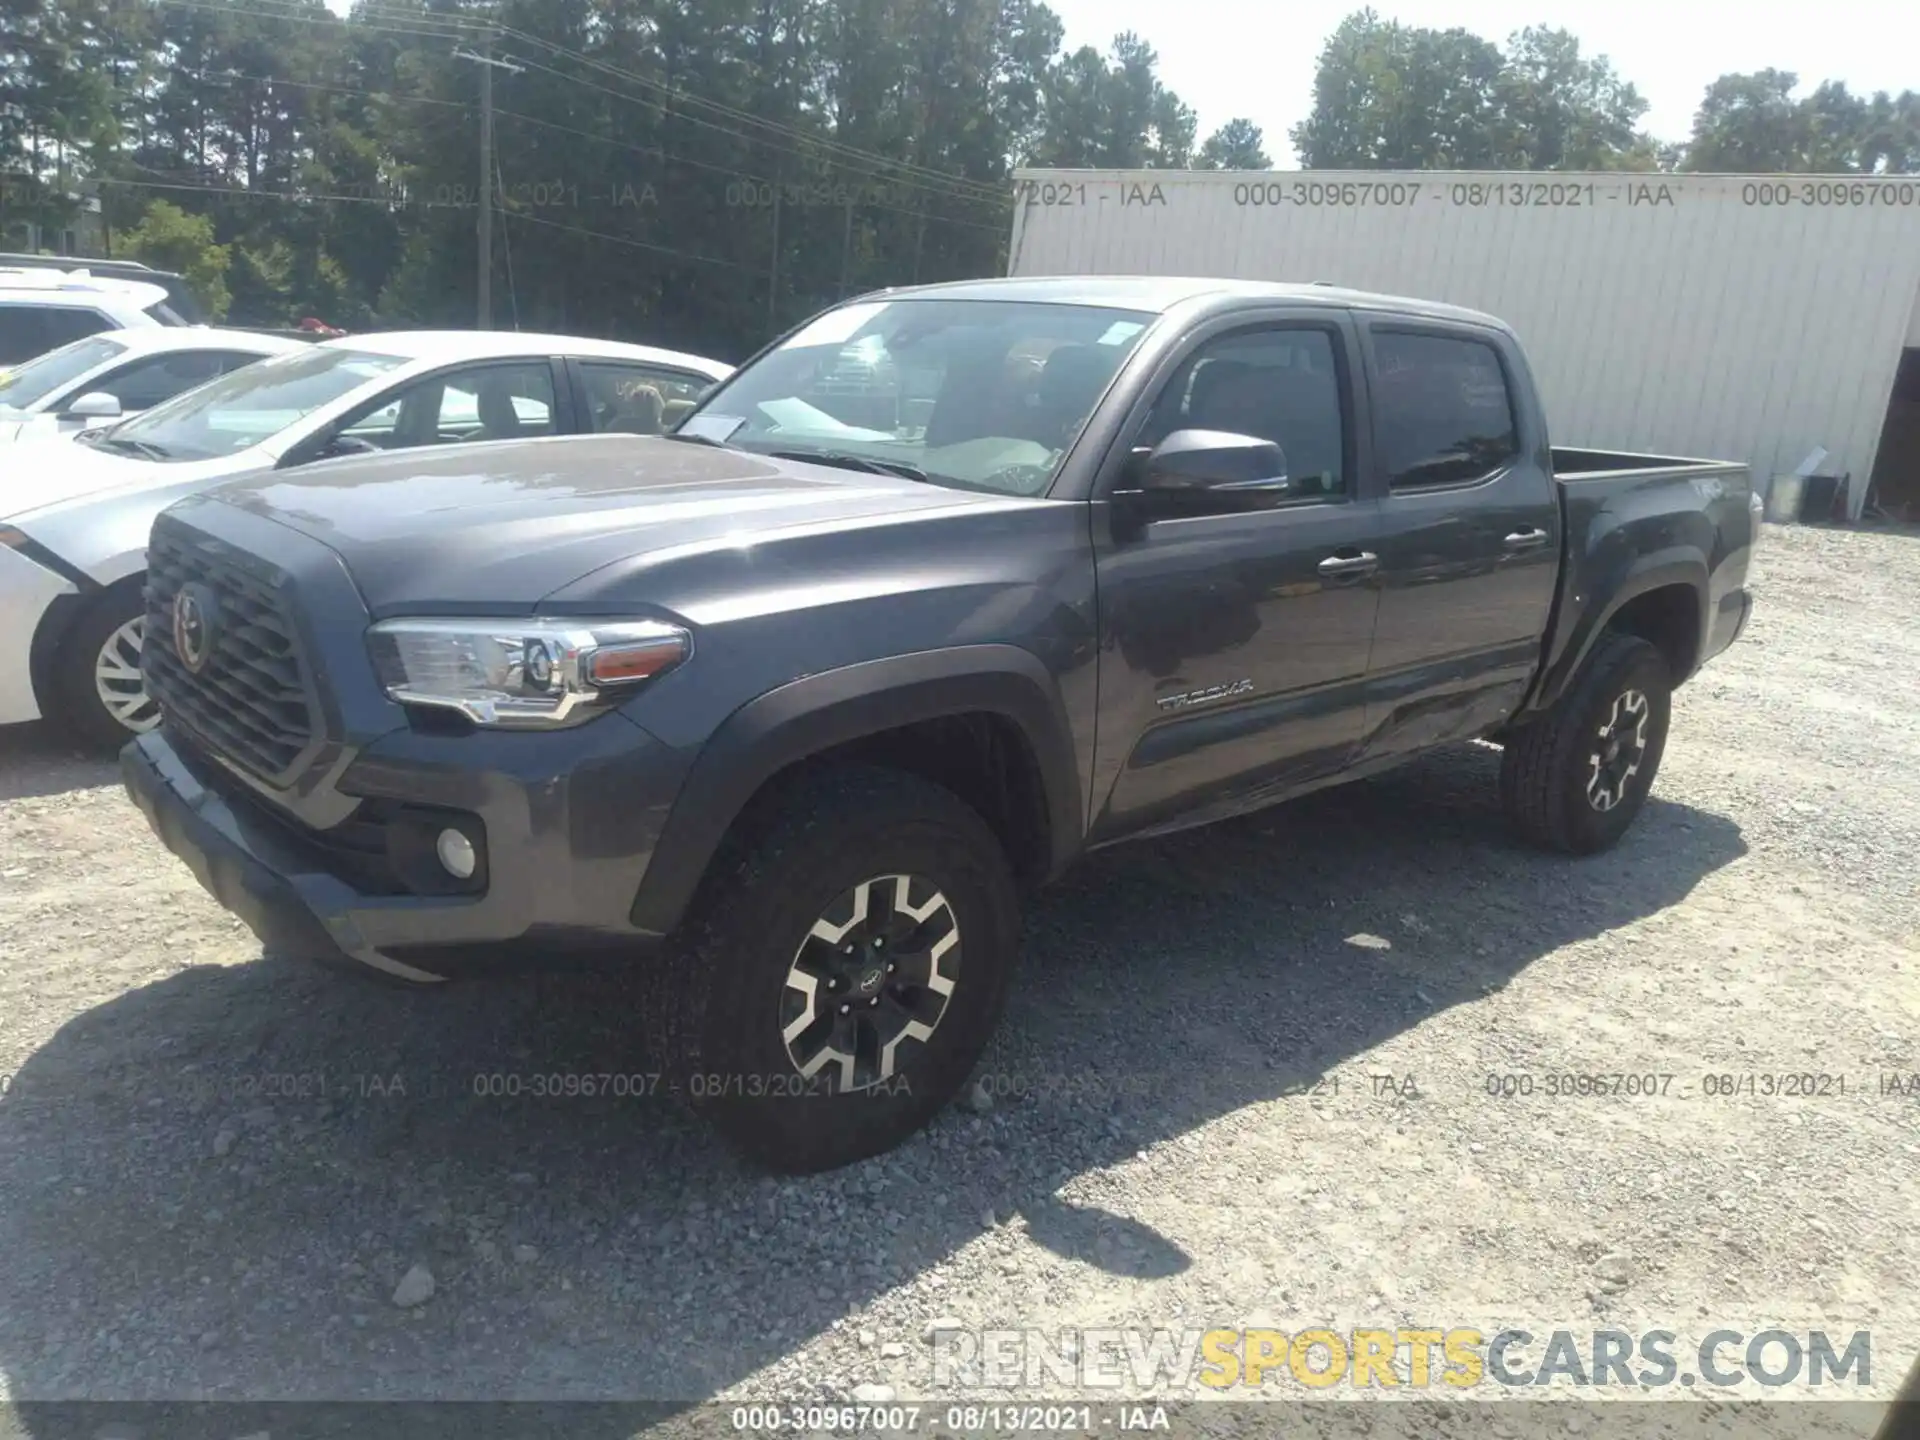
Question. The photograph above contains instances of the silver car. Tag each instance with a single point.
(74, 513)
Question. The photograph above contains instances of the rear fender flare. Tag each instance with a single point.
(1654, 571)
(809, 716)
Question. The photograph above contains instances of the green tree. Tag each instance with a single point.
(1749, 124)
(1752, 124)
(1236, 145)
(1113, 111)
(1392, 96)
(1890, 135)
(168, 238)
(1564, 110)
(59, 67)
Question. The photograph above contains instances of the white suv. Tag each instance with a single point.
(41, 310)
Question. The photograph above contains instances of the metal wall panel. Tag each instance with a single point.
(1733, 317)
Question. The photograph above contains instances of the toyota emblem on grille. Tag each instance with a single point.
(194, 612)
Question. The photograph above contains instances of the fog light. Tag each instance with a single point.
(456, 854)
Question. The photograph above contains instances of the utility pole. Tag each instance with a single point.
(846, 247)
(773, 264)
(487, 65)
(485, 312)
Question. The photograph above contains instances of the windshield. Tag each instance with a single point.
(978, 394)
(28, 385)
(248, 405)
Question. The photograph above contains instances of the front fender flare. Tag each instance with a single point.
(818, 712)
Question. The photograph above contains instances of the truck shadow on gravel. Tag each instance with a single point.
(211, 1186)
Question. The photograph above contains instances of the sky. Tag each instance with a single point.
(1256, 57)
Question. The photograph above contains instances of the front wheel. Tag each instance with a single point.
(101, 696)
(842, 971)
(1574, 779)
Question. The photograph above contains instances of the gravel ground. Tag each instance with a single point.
(1183, 1123)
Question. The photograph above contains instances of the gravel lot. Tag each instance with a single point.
(1185, 1127)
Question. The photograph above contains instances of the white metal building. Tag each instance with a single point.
(1749, 317)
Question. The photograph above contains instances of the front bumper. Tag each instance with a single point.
(569, 822)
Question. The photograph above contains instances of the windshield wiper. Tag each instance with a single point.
(145, 449)
(848, 461)
(692, 439)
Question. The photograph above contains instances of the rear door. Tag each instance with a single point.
(1234, 646)
(1469, 537)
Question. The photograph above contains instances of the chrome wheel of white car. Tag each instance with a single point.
(96, 696)
(117, 682)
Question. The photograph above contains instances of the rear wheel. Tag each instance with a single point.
(98, 688)
(842, 971)
(1574, 779)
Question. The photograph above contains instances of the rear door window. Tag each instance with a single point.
(638, 399)
(1445, 412)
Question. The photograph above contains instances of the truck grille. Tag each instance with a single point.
(250, 698)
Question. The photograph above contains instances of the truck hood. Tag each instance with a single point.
(506, 524)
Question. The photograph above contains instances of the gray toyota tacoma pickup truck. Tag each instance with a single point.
(942, 590)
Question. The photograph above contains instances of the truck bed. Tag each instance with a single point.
(1645, 523)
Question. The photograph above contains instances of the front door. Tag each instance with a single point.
(1234, 646)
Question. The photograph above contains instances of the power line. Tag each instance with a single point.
(254, 192)
(656, 152)
(651, 152)
(261, 10)
(635, 244)
(956, 184)
(961, 196)
(920, 176)
(435, 205)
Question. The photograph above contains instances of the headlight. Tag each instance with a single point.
(526, 674)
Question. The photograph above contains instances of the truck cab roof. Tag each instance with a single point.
(1161, 293)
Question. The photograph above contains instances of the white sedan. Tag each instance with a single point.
(102, 378)
(74, 513)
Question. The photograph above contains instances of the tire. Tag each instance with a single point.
(100, 656)
(722, 1015)
(1574, 779)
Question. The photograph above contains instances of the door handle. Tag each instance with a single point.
(1350, 567)
(1526, 539)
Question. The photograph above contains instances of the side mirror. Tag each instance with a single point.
(1202, 472)
(94, 405)
(337, 445)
